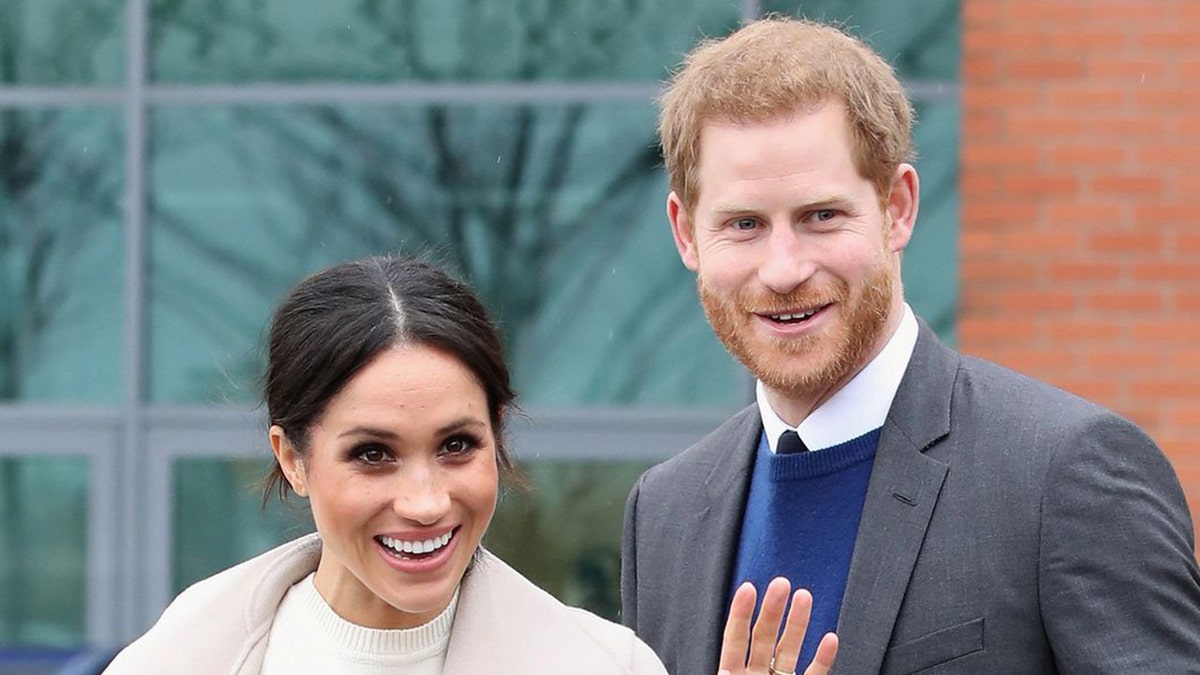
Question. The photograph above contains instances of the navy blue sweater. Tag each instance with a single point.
(801, 519)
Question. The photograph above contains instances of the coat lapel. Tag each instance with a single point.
(901, 495)
(714, 540)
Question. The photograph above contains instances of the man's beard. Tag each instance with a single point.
(835, 353)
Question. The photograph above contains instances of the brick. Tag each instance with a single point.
(1134, 185)
(1122, 359)
(1002, 330)
(1166, 387)
(1167, 98)
(1168, 40)
(1085, 329)
(1127, 126)
(978, 241)
(1125, 301)
(1165, 271)
(1043, 14)
(993, 97)
(976, 183)
(1007, 213)
(1093, 41)
(1185, 416)
(1086, 97)
(1038, 301)
(1045, 68)
(982, 124)
(1127, 242)
(1024, 240)
(979, 69)
(1182, 154)
(1129, 72)
(1188, 302)
(1042, 184)
(1066, 213)
(1044, 124)
(1154, 214)
(993, 41)
(1181, 330)
(973, 270)
(1087, 155)
(1041, 363)
(1083, 270)
(999, 154)
(1187, 242)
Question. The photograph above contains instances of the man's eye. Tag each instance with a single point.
(745, 224)
(825, 214)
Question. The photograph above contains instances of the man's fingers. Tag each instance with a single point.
(766, 627)
(826, 654)
(737, 629)
(787, 652)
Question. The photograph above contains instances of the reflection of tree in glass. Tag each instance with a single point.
(566, 534)
(428, 40)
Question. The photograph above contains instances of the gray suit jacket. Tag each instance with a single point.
(1009, 527)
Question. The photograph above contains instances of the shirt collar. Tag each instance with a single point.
(859, 406)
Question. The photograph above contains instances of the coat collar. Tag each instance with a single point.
(903, 489)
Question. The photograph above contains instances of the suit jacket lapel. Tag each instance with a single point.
(715, 537)
(901, 495)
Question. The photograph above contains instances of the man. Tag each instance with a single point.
(948, 515)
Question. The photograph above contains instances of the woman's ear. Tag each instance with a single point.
(289, 460)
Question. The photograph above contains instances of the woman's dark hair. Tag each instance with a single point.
(336, 321)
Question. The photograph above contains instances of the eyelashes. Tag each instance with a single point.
(455, 446)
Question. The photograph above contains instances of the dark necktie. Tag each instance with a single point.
(789, 442)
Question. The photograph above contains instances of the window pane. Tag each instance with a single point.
(62, 42)
(61, 316)
(931, 260)
(43, 551)
(219, 519)
(921, 38)
(555, 214)
(565, 534)
(428, 40)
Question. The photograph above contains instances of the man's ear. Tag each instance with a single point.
(902, 204)
(684, 232)
(289, 460)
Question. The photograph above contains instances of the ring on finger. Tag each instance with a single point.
(772, 671)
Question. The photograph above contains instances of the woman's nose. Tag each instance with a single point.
(421, 497)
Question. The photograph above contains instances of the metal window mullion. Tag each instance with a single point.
(129, 610)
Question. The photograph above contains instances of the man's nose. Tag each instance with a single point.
(788, 260)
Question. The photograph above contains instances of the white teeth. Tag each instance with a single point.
(792, 317)
(418, 547)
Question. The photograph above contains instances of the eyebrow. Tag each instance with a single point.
(825, 201)
(386, 434)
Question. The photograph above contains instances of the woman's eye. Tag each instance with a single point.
(371, 454)
(459, 445)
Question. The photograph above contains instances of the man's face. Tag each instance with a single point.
(797, 257)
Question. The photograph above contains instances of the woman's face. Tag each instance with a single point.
(401, 474)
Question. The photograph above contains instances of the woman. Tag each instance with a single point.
(386, 389)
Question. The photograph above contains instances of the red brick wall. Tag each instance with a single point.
(1081, 204)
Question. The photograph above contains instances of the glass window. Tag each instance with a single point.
(920, 38)
(61, 314)
(931, 261)
(56, 42)
(565, 532)
(220, 519)
(206, 41)
(43, 551)
(554, 213)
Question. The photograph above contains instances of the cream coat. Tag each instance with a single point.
(504, 624)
